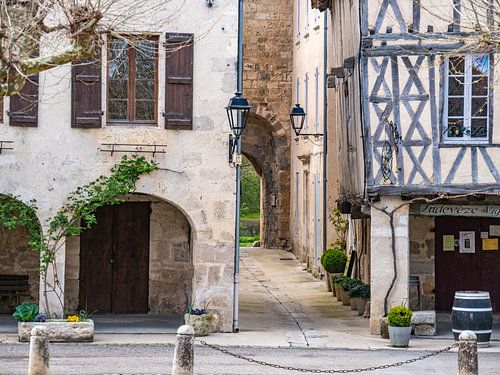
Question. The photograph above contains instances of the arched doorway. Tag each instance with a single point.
(19, 264)
(265, 144)
(136, 259)
(251, 203)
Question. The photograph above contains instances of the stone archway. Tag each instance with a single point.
(265, 143)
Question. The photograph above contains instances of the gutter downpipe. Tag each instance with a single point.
(239, 88)
(325, 128)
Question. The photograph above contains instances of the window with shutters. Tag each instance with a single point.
(132, 85)
(306, 104)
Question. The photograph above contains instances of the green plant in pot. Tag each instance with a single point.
(333, 261)
(337, 282)
(349, 286)
(361, 293)
(399, 319)
(345, 286)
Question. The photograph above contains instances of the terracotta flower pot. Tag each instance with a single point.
(328, 281)
(354, 303)
(338, 292)
(346, 301)
(361, 306)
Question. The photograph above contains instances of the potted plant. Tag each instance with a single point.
(346, 285)
(333, 261)
(363, 293)
(355, 294)
(75, 328)
(200, 320)
(399, 319)
(337, 281)
(353, 284)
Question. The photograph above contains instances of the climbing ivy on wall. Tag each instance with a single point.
(77, 215)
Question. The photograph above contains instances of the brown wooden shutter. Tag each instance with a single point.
(86, 110)
(23, 109)
(179, 81)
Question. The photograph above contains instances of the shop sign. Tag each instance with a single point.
(460, 210)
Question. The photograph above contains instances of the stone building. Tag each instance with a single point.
(171, 243)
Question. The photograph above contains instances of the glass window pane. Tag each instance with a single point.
(479, 128)
(146, 49)
(118, 49)
(145, 89)
(118, 69)
(480, 65)
(145, 69)
(117, 110)
(455, 106)
(456, 65)
(456, 86)
(144, 110)
(455, 128)
(118, 89)
(479, 107)
(479, 85)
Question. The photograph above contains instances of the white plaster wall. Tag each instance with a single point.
(382, 258)
(307, 55)
(50, 161)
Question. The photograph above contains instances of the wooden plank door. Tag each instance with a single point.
(96, 245)
(454, 270)
(131, 258)
(490, 266)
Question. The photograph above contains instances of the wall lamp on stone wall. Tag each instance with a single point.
(237, 110)
(297, 119)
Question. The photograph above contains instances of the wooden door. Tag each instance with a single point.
(96, 249)
(114, 260)
(456, 271)
(490, 266)
(131, 258)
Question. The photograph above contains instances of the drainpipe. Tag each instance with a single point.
(325, 129)
(239, 88)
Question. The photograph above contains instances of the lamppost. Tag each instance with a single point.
(237, 114)
(297, 118)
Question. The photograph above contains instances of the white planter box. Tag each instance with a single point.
(59, 331)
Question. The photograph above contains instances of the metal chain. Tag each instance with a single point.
(318, 371)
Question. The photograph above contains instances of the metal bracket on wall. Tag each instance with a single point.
(3, 145)
(133, 148)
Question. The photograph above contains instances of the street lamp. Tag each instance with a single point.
(297, 119)
(237, 113)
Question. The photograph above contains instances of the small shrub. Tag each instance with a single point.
(338, 279)
(399, 316)
(334, 260)
(361, 290)
(26, 312)
(347, 284)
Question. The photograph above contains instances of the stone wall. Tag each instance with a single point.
(267, 86)
(17, 258)
(170, 261)
(422, 258)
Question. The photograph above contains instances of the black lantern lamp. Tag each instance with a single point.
(238, 107)
(297, 119)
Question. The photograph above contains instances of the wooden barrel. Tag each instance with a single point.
(472, 312)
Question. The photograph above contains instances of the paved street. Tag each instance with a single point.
(156, 359)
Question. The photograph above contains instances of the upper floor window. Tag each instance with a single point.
(297, 90)
(316, 98)
(298, 18)
(132, 91)
(308, 8)
(306, 99)
(467, 104)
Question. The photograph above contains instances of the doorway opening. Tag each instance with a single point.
(251, 204)
(136, 259)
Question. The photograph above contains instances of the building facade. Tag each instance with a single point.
(172, 243)
(424, 144)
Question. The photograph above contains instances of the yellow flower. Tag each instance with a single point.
(73, 318)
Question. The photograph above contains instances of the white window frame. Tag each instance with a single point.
(297, 202)
(298, 19)
(316, 97)
(308, 8)
(297, 90)
(317, 16)
(466, 138)
(306, 100)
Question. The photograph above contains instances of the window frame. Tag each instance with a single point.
(316, 97)
(467, 139)
(131, 83)
(298, 19)
(306, 100)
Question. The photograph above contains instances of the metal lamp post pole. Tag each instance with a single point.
(236, 292)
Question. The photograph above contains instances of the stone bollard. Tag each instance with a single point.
(184, 351)
(39, 352)
(467, 354)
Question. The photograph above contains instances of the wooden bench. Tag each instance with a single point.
(14, 286)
